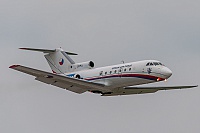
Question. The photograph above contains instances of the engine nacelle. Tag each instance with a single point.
(84, 65)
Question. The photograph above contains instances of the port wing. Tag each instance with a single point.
(62, 81)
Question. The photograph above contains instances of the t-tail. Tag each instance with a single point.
(60, 62)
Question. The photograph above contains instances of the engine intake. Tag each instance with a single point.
(77, 76)
(91, 64)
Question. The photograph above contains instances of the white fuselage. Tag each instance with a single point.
(128, 74)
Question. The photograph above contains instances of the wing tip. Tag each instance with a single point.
(23, 48)
(70, 53)
(14, 66)
(193, 86)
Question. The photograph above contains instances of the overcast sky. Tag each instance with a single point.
(106, 32)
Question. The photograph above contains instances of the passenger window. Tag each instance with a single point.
(115, 71)
(105, 73)
(125, 70)
(110, 72)
(129, 69)
(148, 64)
(120, 70)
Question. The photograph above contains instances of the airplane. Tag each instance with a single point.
(112, 80)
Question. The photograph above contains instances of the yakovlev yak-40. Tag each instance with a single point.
(109, 81)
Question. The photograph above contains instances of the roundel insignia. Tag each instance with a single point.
(61, 61)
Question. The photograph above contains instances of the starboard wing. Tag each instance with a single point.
(68, 83)
(142, 90)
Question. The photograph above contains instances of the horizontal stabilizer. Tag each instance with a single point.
(46, 50)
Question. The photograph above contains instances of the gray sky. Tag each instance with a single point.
(107, 32)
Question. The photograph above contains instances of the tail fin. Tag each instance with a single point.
(58, 60)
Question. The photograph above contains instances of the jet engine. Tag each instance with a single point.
(84, 65)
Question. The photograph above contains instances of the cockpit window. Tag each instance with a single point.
(161, 64)
(149, 64)
(156, 63)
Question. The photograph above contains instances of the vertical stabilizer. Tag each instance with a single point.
(58, 60)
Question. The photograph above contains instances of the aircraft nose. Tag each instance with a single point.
(167, 72)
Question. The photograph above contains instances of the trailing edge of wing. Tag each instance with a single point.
(46, 50)
(72, 84)
(163, 88)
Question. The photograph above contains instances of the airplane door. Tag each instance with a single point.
(101, 80)
(120, 72)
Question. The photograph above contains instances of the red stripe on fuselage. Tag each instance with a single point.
(143, 76)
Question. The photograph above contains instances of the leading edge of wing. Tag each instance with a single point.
(64, 79)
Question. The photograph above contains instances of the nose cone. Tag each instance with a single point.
(167, 72)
